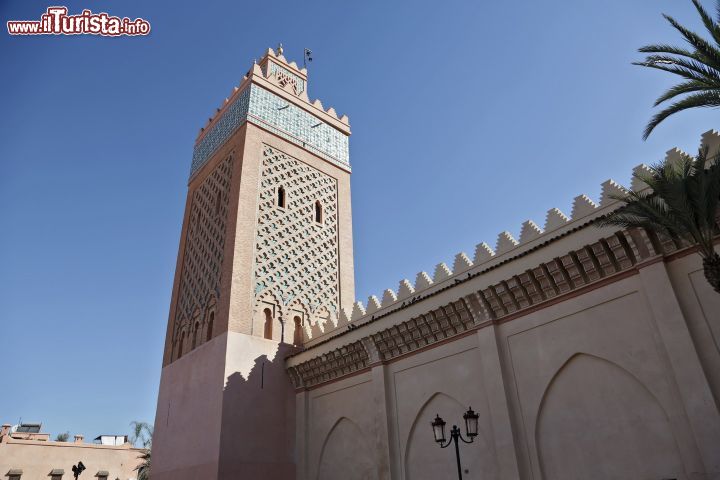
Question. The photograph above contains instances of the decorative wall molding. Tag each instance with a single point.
(609, 257)
(343, 361)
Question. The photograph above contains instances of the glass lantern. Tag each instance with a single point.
(471, 423)
(438, 426)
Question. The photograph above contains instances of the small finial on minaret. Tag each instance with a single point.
(279, 49)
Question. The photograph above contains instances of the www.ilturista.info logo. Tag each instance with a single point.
(56, 21)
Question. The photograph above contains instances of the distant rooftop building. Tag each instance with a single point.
(28, 427)
(27, 453)
(115, 440)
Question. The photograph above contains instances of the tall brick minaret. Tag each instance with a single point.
(266, 248)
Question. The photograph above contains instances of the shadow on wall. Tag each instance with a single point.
(257, 438)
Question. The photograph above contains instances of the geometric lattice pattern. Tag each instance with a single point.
(204, 244)
(295, 256)
(285, 76)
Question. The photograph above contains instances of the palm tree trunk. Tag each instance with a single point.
(711, 267)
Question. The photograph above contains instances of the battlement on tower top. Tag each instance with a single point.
(273, 95)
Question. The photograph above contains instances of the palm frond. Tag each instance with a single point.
(700, 44)
(711, 74)
(705, 99)
(674, 69)
(707, 20)
(698, 65)
(143, 468)
(669, 50)
(682, 201)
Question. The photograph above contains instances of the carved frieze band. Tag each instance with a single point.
(345, 360)
(434, 326)
(559, 276)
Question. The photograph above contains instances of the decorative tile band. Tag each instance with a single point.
(269, 111)
(231, 119)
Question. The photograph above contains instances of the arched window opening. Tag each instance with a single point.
(217, 204)
(195, 333)
(318, 212)
(182, 344)
(281, 197)
(298, 335)
(268, 324)
(208, 335)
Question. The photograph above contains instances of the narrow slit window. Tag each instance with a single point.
(268, 331)
(318, 212)
(182, 345)
(195, 333)
(281, 197)
(298, 335)
(208, 336)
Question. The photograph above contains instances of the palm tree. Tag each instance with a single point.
(682, 202)
(144, 468)
(142, 432)
(699, 67)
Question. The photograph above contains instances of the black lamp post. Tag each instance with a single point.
(471, 431)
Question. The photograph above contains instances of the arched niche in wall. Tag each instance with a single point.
(346, 454)
(294, 329)
(598, 421)
(267, 301)
(425, 460)
(209, 318)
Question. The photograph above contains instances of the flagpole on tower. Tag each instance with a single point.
(307, 57)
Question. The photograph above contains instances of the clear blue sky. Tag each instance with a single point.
(468, 118)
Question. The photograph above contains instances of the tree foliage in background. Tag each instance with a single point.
(62, 437)
(144, 468)
(699, 67)
(142, 433)
(682, 202)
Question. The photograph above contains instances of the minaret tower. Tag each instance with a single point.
(265, 250)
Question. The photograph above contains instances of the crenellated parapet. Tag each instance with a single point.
(480, 301)
(587, 264)
(273, 95)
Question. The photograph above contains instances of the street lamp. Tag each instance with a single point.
(471, 431)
